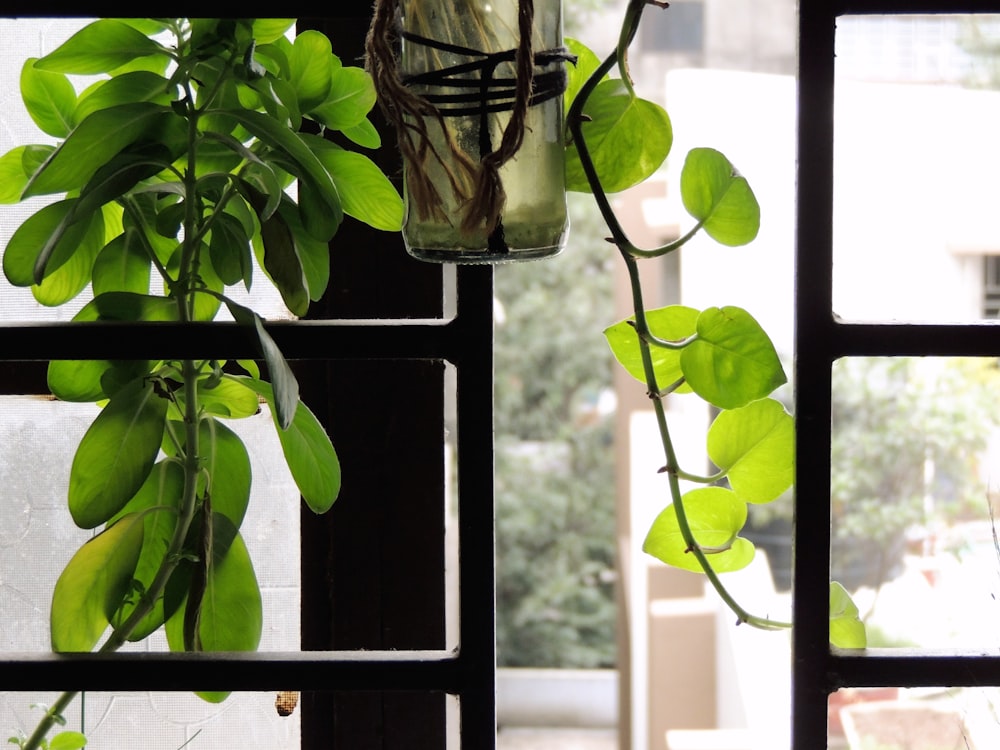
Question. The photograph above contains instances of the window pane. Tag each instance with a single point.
(38, 536)
(161, 721)
(915, 153)
(393, 496)
(913, 458)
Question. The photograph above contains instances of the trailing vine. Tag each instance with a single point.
(720, 355)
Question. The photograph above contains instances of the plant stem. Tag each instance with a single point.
(185, 292)
(631, 254)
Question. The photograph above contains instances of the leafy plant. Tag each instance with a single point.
(195, 160)
(719, 355)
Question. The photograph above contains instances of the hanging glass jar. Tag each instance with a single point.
(476, 98)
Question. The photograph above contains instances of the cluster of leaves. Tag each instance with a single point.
(195, 158)
(720, 355)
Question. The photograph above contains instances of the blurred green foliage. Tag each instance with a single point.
(555, 485)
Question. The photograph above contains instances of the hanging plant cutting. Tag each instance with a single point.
(174, 177)
(474, 90)
(720, 355)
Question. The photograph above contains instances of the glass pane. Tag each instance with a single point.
(913, 719)
(914, 451)
(403, 577)
(162, 721)
(38, 536)
(917, 107)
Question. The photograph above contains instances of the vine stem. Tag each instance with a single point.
(191, 457)
(631, 255)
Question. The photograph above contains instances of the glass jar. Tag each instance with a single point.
(460, 56)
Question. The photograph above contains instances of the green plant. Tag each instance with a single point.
(199, 150)
(720, 355)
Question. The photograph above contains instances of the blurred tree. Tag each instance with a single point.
(909, 435)
(979, 37)
(554, 464)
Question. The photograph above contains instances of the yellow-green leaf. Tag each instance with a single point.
(93, 584)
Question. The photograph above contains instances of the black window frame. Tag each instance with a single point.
(820, 339)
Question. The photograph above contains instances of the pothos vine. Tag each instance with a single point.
(720, 355)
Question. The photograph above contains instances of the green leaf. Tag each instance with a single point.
(31, 237)
(100, 47)
(229, 248)
(673, 323)
(715, 516)
(290, 144)
(230, 615)
(755, 446)
(228, 398)
(310, 68)
(14, 174)
(122, 266)
(137, 86)
(586, 64)
(314, 216)
(49, 98)
(127, 306)
(120, 174)
(719, 197)
(308, 451)
(628, 138)
(85, 380)
(280, 260)
(68, 741)
(228, 465)
(279, 100)
(93, 584)
(163, 490)
(732, 362)
(70, 276)
(266, 30)
(96, 140)
(846, 628)
(261, 188)
(364, 134)
(350, 99)
(231, 612)
(366, 193)
(116, 454)
(284, 398)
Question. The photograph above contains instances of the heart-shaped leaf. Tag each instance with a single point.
(719, 197)
(846, 628)
(755, 446)
(715, 516)
(673, 323)
(628, 138)
(732, 362)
